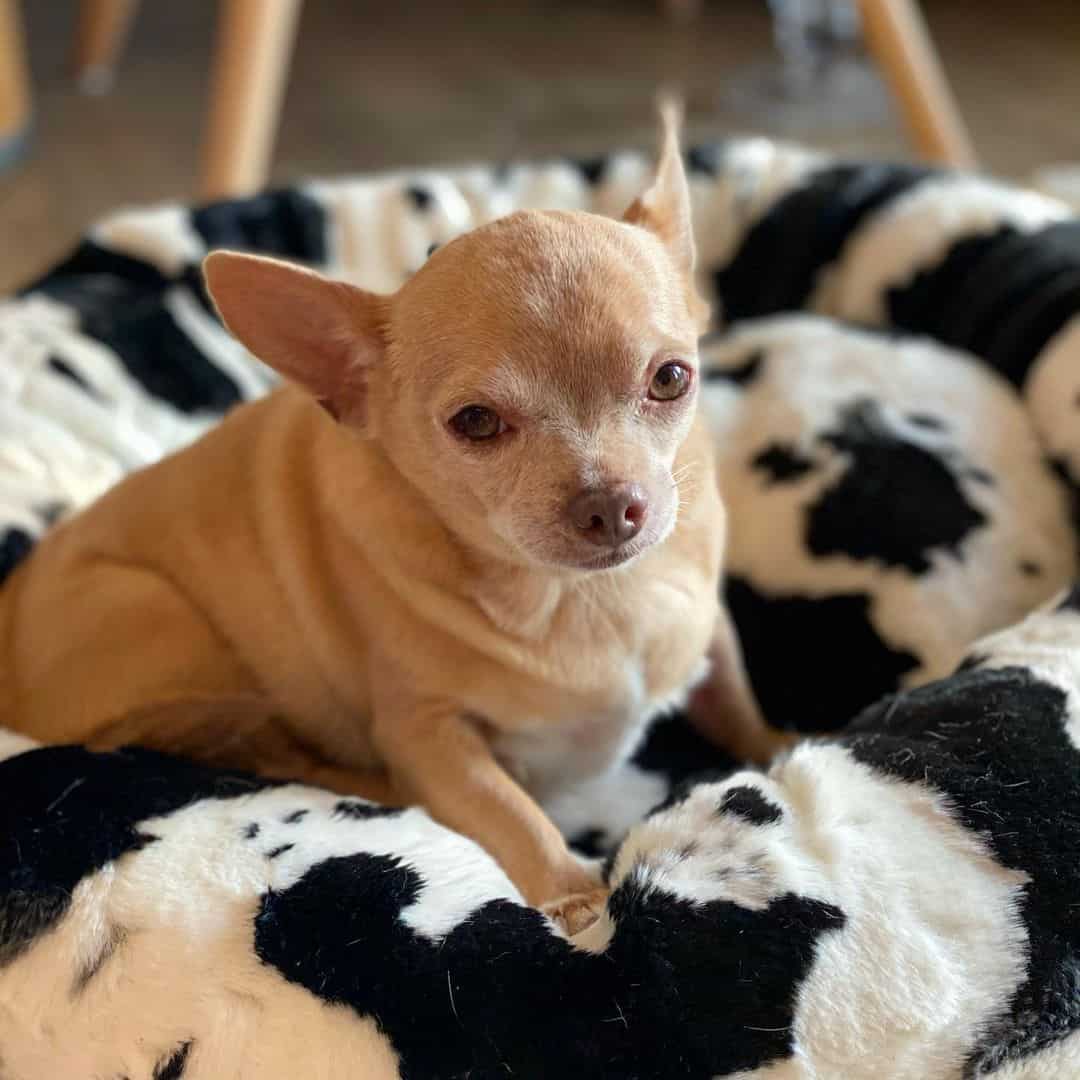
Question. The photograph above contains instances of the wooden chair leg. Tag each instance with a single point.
(251, 63)
(900, 43)
(99, 39)
(14, 84)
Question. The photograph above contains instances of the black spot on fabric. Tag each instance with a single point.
(85, 975)
(682, 990)
(1071, 600)
(101, 271)
(592, 843)
(361, 811)
(675, 750)
(972, 661)
(994, 741)
(776, 266)
(896, 502)
(707, 160)
(67, 812)
(420, 197)
(781, 463)
(748, 803)
(592, 169)
(686, 787)
(273, 853)
(15, 545)
(742, 374)
(1001, 295)
(287, 223)
(925, 304)
(121, 302)
(813, 662)
(251, 830)
(1029, 568)
(65, 370)
(295, 817)
(925, 420)
(157, 353)
(172, 1067)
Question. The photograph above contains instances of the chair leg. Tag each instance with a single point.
(900, 43)
(99, 39)
(251, 63)
(14, 84)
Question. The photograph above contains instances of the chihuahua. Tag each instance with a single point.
(463, 555)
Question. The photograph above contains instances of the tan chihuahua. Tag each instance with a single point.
(472, 548)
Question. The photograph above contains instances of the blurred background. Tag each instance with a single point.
(370, 85)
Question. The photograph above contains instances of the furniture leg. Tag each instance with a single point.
(897, 36)
(101, 35)
(255, 40)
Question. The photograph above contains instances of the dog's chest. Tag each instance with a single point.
(623, 685)
(547, 756)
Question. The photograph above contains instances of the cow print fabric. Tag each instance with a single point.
(876, 485)
(896, 898)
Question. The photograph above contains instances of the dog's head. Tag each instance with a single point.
(534, 380)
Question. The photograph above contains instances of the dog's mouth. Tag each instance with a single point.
(608, 560)
(589, 558)
(576, 558)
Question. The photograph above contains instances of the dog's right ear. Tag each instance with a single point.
(325, 335)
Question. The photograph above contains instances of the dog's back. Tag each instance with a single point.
(172, 581)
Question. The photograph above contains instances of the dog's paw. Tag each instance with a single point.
(578, 911)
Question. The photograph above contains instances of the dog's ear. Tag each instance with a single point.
(664, 208)
(325, 335)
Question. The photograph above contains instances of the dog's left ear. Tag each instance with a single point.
(664, 208)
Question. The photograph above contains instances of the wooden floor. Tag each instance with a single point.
(427, 81)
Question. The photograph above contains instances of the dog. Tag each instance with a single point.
(460, 558)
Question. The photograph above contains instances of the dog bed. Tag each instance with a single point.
(899, 899)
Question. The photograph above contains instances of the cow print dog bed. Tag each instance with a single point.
(899, 898)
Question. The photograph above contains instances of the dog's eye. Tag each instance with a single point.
(671, 381)
(476, 423)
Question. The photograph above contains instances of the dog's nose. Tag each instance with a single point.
(610, 516)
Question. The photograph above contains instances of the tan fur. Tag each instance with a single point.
(378, 606)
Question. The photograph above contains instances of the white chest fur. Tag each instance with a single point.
(547, 757)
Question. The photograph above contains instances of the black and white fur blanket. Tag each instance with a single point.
(898, 900)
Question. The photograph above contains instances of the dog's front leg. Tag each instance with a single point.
(440, 758)
(724, 708)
